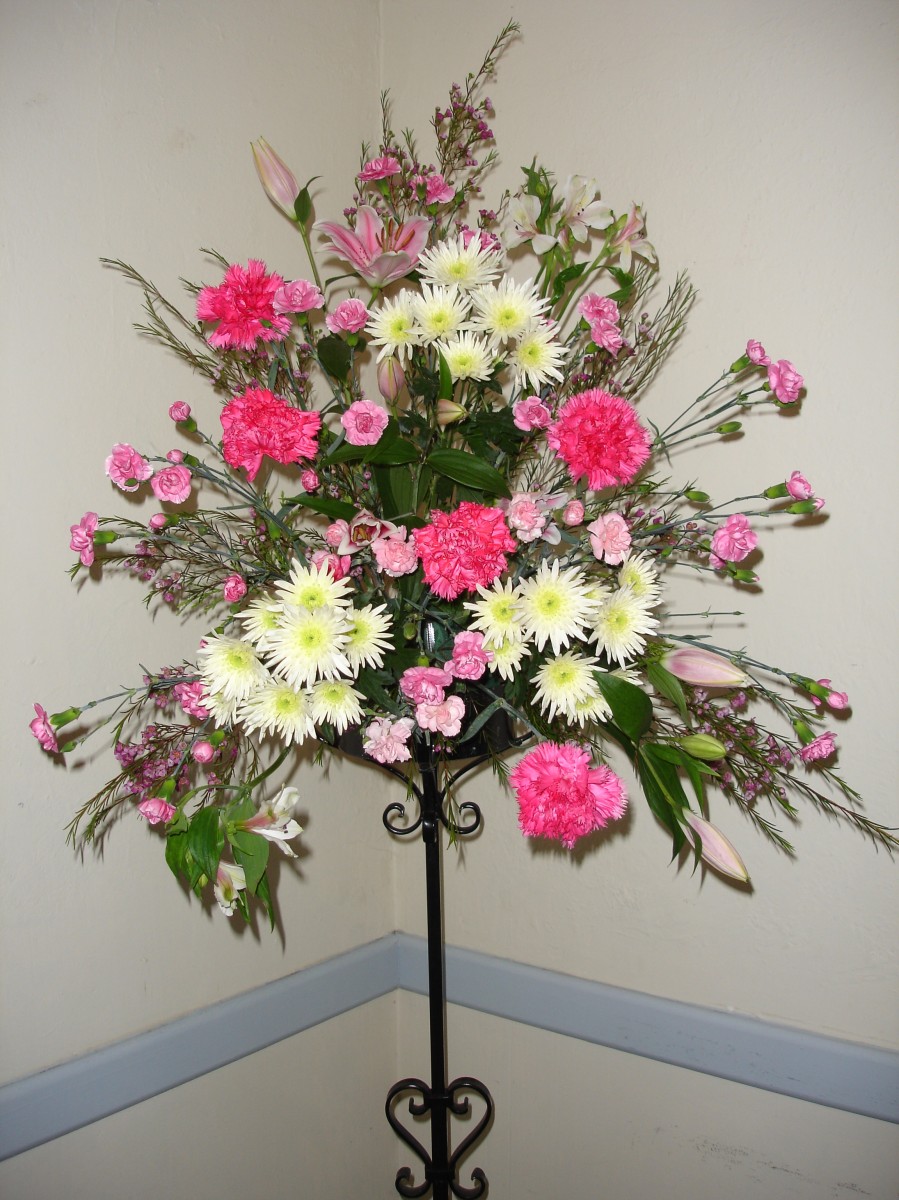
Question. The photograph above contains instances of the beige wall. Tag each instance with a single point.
(755, 137)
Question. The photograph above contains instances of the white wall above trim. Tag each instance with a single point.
(807, 1066)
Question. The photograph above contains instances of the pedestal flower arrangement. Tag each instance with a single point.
(435, 495)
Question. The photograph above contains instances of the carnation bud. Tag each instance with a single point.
(165, 789)
(179, 411)
(803, 506)
(715, 849)
(105, 537)
(704, 746)
(729, 427)
(803, 732)
(776, 492)
(217, 737)
(449, 411)
(390, 378)
(202, 752)
(744, 576)
(276, 178)
(57, 720)
(740, 364)
(703, 668)
(697, 496)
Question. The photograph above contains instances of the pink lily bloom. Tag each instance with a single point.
(379, 253)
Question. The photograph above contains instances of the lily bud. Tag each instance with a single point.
(715, 849)
(449, 411)
(702, 668)
(276, 178)
(390, 378)
(703, 746)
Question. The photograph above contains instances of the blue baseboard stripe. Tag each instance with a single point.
(807, 1066)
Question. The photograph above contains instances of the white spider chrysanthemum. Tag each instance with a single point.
(506, 310)
(230, 668)
(638, 573)
(556, 606)
(452, 262)
(440, 312)
(497, 613)
(222, 711)
(507, 658)
(594, 708)
(336, 702)
(309, 646)
(312, 587)
(393, 327)
(259, 619)
(467, 356)
(538, 357)
(279, 710)
(564, 682)
(368, 635)
(623, 620)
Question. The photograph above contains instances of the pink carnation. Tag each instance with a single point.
(463, 550)
(190, 696)
(83, 537)
(733, 541)
(309, 480)
(364, 422)
(595, 308)
(171, 484)
(437, 190)
(298, 296)
(757, 354)
(386, 740)
(395, 554)
(530, 413)
(202, 751)
(158, 521)
(234, 588)
(175, 456)
(179, 411)
(598, 436)
(350, 316)
(445, 718)
(243, 305)
(469, 659)
(156, 810)
(337, 564)
(561, 796)
(259, 423)
(379, 168)
(607, 336)
(425, 685)
(43, 730)
(610, 538)
(526, 517)
(574, 513)
(126, 468)
(785, 381)
(799, 487)
(822, 747)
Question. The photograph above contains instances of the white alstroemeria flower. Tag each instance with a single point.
(524, 212)
(275, 822)
(230, 879)
(580, 211)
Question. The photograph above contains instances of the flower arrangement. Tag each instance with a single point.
(489, 535)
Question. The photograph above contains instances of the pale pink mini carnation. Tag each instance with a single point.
(600, 438)
(175, 456)
(379, 168)
(336, 532)
(158, 521)
(234, 588)
(171, 484)
(83, 537)
(42, 729)
(486, 241)
(733, 541)
(607, 336)
(561, 796)
(785, 381)
(126, 468)
(395, 554)
(309, 480)
(179, 411)
(156, 810)
(338, 564)
(757, 354)
(386, 741)
(437, 190)
(425, 685)
(191, 696)
(463, 550)
(530, 413)
(202, 751)
(243, 306)
(822, 747)
(469, 659)
(297, 296)
(799, 487)
(835, 700)
(610, 538)
(350, 316)
(445, 718)
(364, 422)
(526, 518)
(595, 308)
(574, 513)
(258, 423)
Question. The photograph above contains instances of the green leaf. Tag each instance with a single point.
(480, 720)
(303, 204)
(176, 852)
(565, 277)
(389, 450)
(445, 390)
(395, 489)
(264, 893)
(665, 774)
(250, 852)
(325, 505)
(465, 468)
(334, 355)
(669, 686)
(631, 707)
(206, 841)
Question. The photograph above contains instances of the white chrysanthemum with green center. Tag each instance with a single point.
(564, 682)
(279, 710)
(497, 613)
(638, 573)
(440, 312)
(467, 356)
(593, 708)
(393, 327)
(368, 635)
(312, 587)
(506, 310)
(538, 357)
(259, 619)
(452, 262)
(310, 646)
(336, 702)
(556, 606)
(623, 620)
(230, 668)
(507, 658)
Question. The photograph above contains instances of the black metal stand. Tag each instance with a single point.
(439, 1100)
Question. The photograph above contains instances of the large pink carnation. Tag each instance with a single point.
(598, 436)
(259, 423)
(463, 550)
(561, 796)
(243, 304)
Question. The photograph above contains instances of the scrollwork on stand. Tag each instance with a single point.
(452, 1101)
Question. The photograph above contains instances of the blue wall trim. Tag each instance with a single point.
(807, 1066)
